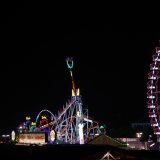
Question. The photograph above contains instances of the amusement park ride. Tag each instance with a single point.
(72, 125)
(153, 93)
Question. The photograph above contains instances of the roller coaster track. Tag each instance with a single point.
(58, 117)
(66, 124)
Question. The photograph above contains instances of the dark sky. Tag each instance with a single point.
(111, 62)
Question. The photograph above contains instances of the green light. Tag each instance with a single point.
(121, 144)
(101, 127)
(116, 141)
(70, 65)
(32, 128)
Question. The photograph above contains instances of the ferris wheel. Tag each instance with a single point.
(153, 93)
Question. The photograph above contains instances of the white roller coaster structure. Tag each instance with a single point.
(72, 124)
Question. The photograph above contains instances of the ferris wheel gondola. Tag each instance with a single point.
(153, 93)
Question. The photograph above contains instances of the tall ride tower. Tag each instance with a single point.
(76, 96)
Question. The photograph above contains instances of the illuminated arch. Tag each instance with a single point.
(45, 110)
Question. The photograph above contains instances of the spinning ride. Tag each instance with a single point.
(153, 93)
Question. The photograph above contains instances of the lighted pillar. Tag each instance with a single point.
(13, 135)
(81, 138)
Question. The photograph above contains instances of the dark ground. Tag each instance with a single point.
(69, 152)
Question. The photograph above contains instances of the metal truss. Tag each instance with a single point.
(66, 123)
(72, 124)
(153, 93)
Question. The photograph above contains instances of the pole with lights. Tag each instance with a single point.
(76, 97)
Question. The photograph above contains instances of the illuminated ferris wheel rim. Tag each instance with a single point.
(153, 91)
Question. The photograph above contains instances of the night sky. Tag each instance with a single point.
(111, 63)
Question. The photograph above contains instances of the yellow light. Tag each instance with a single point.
(33, 123)
(71, 73)
(78, 113)
(44, 117)
(28, 118)
(52, 134)
(78, 92)
(73, 93)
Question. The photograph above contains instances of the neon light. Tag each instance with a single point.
(32, 138)
(44, 117)
(78, 92)
(153, 90)
(13, 135)
(81, 138)
(101, 127)
(28, 124)
(28, 118)
(71, 73)
(69, 62)
(44, 111)
(73, 94)
(32, 128)
(52, 134)
(33, 123)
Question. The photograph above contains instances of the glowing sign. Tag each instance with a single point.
(44, 117)
(13, 135)
(32, 138)
(77, 92)
(28, 118)
(33, 123)
(52, 134)
(127, 139)
(32, 128)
